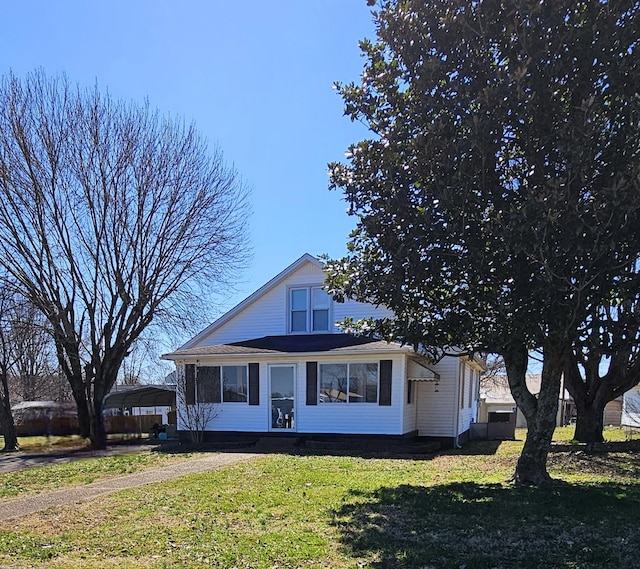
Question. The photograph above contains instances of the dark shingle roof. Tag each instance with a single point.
(304, 343)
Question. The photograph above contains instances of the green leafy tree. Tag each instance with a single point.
(497, 198)
(605, 360)
(113, 218)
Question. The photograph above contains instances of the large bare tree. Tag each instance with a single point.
(113, 217)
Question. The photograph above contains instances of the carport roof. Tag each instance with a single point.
(141, 396)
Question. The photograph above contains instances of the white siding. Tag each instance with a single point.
(414, 370)
(265, 317)
(410, 418)
(358, 310)
(342, 418)
(438, 402)
(268, 315)
(360, 418)
(468, 410)
(631, 408)
(435, 408)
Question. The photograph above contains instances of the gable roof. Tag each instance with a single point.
(264, 289)
(495, 389)
(303, 343)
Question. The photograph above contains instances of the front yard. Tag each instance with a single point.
(449, 511)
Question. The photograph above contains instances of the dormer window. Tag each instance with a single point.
(309, 310)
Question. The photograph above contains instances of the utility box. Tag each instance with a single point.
(501, 425)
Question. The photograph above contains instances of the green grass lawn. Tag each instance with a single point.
(78, 472)
(453, 510)
(55, 442)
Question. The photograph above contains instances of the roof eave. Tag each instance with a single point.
(176, 356)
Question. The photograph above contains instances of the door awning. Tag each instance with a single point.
(418, 371)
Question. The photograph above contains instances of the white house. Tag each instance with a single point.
(495, 397)
(631, 408)
(278, 364)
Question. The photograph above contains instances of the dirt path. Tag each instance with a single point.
(30, 504)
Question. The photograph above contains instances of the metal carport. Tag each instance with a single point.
(141, 396)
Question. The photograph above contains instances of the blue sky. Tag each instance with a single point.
(255, 77)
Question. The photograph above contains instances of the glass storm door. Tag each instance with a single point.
(282, 396)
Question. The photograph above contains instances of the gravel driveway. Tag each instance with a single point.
(30, 504)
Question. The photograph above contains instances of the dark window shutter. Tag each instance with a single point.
(254, 384)
(385, 382)
(190, 384)
(312, 383)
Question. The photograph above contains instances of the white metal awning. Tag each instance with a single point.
(418, 371)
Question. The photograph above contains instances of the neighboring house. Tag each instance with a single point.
(613, 413)
(631, 408)
(278, 364)
(495, 397)
(34, 418)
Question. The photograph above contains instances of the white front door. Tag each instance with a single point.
(282, 397)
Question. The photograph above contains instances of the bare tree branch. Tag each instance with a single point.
(115, 217)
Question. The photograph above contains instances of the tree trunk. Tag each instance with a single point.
(540, 412)
(8, 428)
(103, 374)
(531, 468)
(82, 404)
(6, 417)
(98, 430)
(591, 391)
(589, 423)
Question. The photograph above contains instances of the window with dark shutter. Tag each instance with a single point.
(312, 383)
(385, 382)
(254, 384)
(190, 384)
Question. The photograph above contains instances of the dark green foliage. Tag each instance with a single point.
(498, 199)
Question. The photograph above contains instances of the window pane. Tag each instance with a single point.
(299, 321)
(320, 320)
(234, 383)
(207, 384)
(363, 383)
(319, 298)
(299, 299)
(299, 310)
(333, 383)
